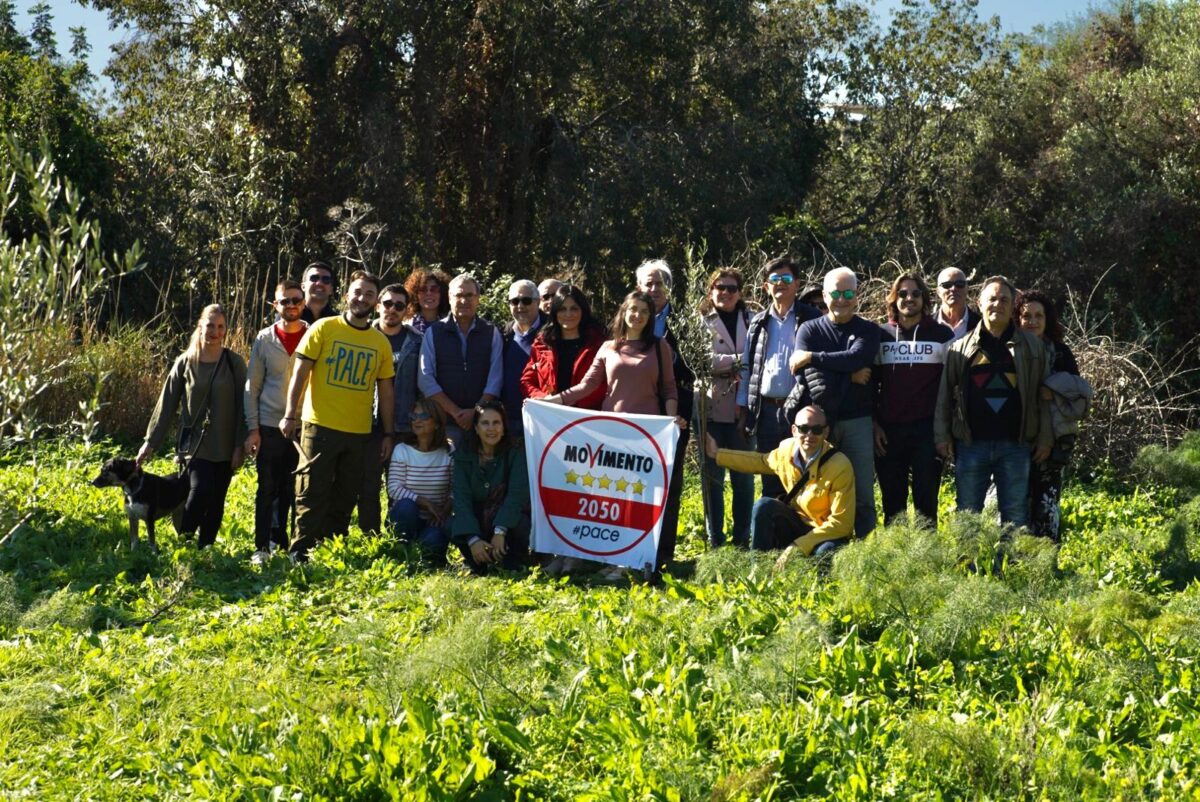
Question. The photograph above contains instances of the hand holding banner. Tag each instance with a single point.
(598, 481)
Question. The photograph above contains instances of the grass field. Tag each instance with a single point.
(911, 670)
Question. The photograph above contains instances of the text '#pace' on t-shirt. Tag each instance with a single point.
(346, 364)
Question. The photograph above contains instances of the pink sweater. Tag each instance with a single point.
(631, 375)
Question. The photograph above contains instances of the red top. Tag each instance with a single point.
(538, 380)
(289, 340)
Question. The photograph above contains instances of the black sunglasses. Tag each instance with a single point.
(420, 416)
(320, 279)
(908, 294)
(393, 304)
(727, 288)
(290, 301)
(959, 283)
(522, 300)
(813, 428)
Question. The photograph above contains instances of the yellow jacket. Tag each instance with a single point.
(826, 503)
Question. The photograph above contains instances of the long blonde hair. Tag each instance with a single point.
(196, 343)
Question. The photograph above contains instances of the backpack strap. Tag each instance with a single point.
(790, 496)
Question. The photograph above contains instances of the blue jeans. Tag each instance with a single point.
(1005, 462)
(856, 439)
(727, 435)
(773, 429)
(776, 525)
(405, 516)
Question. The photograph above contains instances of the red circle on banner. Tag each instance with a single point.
(658, 508)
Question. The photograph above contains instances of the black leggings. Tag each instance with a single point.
(205, 505)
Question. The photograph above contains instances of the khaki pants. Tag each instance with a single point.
(328, 480)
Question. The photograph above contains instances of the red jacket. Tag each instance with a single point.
(539, 377)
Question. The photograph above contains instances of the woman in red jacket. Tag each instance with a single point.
(565, 349)
(558, 359)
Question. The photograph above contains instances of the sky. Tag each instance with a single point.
(1016, 16)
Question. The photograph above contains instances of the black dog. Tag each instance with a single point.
(147, 497)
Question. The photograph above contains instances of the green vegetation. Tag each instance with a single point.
(911, 669)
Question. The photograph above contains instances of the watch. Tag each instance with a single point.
(500, 530)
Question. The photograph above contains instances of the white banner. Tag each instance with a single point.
(598, 481)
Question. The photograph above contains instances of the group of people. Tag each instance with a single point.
(407, 391)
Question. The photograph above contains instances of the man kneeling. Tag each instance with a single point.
(816, 514)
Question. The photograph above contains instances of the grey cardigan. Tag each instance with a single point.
(267, 379)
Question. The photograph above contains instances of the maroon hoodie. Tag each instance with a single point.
(908, 370)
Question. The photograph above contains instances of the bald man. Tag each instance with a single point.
(816, 515)
(954, 311)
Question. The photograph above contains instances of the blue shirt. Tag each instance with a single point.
(517, 347)
(660, 321)
(777, 378)
(427, 377)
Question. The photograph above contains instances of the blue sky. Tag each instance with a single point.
(1015, 16)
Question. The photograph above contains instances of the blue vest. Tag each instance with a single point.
(462, 380)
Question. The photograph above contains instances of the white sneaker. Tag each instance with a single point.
(561, 565)
(260, 558)
(613, 573)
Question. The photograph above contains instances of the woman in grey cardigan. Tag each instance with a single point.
(205, 385)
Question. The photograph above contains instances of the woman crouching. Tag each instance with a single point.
(491, 494)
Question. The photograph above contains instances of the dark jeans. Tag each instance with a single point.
(327, 483)
(773, 429)
(978, 464)
(775, 525)
(727, 435)
(517, 542)
(910, 455)
(405, 515)
(205, 505)
(370, 511)
(670, 519)
(1045, 491)
(276, 495)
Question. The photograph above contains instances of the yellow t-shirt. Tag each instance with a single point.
(346, 364)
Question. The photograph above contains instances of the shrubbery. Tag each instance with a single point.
(917, 666)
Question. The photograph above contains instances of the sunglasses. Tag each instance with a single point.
(547, 296)
(846, 294)
(417, 416)
(957, 284)
(781, 278)
(320, 279)
(521, 300)
(727, 288)
(906, 294)
(290, 301)
(397, 305)
(814, 428)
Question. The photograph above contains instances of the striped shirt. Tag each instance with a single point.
(414, 473)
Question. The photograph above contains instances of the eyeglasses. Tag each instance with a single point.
(814, 428)
(727, 288)
(397, 305)
(547, 296)
(521, 300)
(958, 283)
(318, 279)
(781, 278)
(905, 294)
(290, 301)
(420, 416)
(846, 294)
